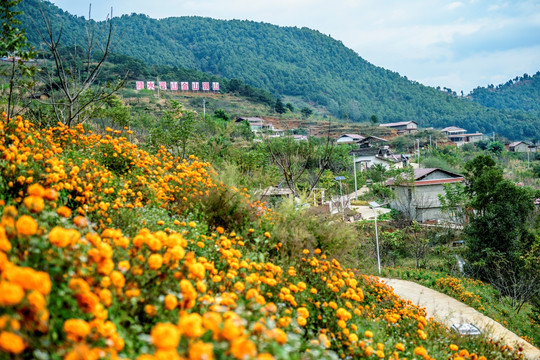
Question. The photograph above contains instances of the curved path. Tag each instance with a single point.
(448, 311)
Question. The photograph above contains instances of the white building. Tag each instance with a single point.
(418, 198)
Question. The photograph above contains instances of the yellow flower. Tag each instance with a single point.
(192, 224)
(301, 321)
(368, 334)
(454, 347)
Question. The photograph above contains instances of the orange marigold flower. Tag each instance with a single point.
(420, 350)
(454, 347)
(265, 356)
(220, 230)
(64, 211)
(5, 245)
(165, 336)
(192, 224)
(10, 293)
(11, 343)
(369, 350)
(267, 234)
(400, 347)
(191, 325)
(200, 351)
(50, 194)
(197, 270)
(170, 302)
(117, 279)
(151, 310)
(34, 203)
(63, 237)
(242, 348)
(80, 221)
(301, 321)
(26, 225)
(36, 190)
(37, 301)
(76, 329)
(368, 334)
(279, 335)
(155, 261)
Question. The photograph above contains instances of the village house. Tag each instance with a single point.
(418, 198)
(460, 137)
(521, 146)
(402, 127)
(367, 157)
(259, 126)
(349, 138)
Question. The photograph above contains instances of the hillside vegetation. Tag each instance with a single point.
(82, 279)
(521, 93)
(294, 62)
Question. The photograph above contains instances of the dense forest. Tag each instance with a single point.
(291, 61)
(521, 93)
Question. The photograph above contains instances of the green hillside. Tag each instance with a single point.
(293, 61)
(521, 93)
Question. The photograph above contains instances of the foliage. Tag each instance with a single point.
(306, 112)
(279, 107)
(519, 93)
(502, 246)
(174, 129)
(302, 62)
(453, 202)
(15, 49)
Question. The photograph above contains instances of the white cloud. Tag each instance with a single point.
(454, 5)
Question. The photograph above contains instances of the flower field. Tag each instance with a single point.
(106, 253)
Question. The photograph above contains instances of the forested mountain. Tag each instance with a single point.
(521, 93)
(291, 61)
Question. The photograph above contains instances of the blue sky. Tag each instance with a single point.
(455, 44)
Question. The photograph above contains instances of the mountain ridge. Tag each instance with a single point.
(302, 62)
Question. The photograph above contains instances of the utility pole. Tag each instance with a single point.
(355, 181)
(418, 150)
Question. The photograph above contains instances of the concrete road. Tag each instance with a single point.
(449, 311)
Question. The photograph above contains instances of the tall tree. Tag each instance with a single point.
(502, 246)
(76, 70)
